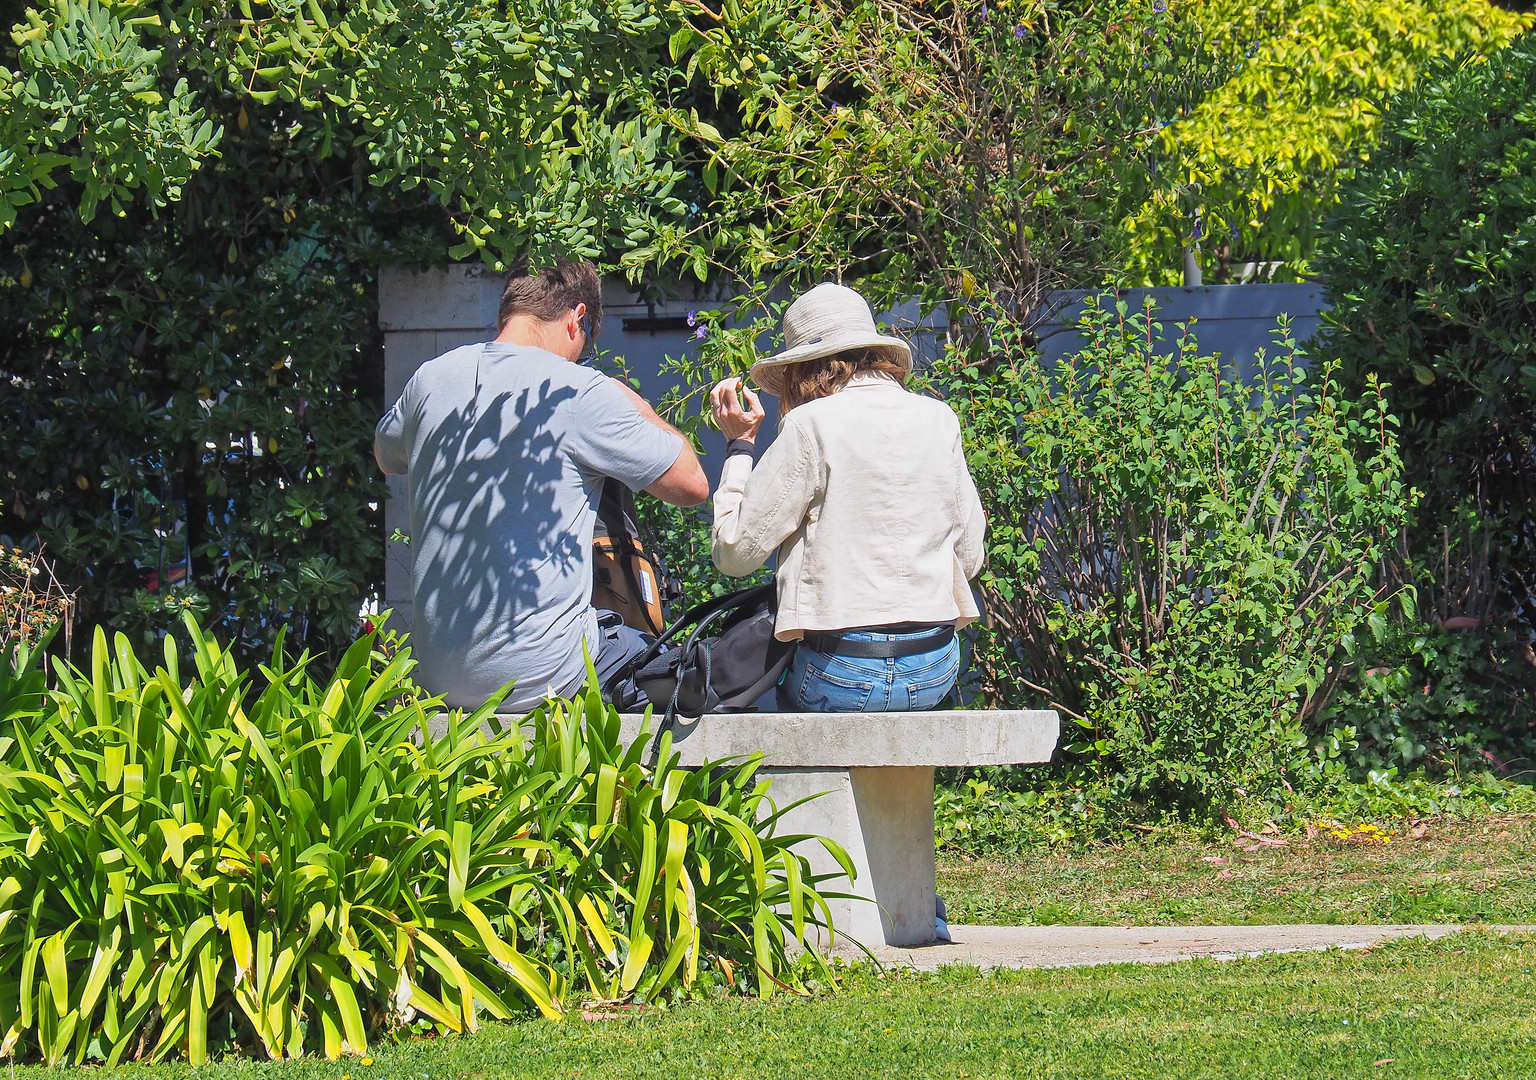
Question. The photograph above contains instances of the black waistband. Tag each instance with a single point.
(832, 643)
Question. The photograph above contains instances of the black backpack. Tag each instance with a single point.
(725, 663)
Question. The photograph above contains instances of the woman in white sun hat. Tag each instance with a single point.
(866, 497)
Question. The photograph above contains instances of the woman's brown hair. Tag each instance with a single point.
(812, 379)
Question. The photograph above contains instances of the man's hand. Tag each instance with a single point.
(684, 484)
(734, 420)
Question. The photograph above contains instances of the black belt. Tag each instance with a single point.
(832, 643)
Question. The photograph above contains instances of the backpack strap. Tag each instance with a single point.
(616, 521)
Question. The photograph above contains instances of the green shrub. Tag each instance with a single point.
(1176, 552)
(726, 345)
(681, 538)
(1385, 795)
(1027, 808)
(188, 865)
(1423, 698)
(192, 391)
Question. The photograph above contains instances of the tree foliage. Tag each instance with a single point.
(1016, 145)
(555, 126)
(1249, 173)
(951, 149)
(1432, 259)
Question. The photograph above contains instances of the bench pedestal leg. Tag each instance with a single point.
(883, 817)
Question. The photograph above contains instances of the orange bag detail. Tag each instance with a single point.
(625, 578)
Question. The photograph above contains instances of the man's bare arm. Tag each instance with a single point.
(684, 483)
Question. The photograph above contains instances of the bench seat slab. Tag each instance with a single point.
(844, 740)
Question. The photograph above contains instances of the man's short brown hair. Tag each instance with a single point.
(548, 292)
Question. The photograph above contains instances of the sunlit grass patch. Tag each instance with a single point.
(1452, 1008)
(1431, 871)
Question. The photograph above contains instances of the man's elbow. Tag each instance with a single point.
(696, 490)
(695, 485)
(682, 486)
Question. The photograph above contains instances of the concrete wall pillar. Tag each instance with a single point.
(423, 315)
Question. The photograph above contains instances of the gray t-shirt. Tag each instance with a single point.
(506, 447)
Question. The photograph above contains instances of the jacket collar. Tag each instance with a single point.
(870, 378)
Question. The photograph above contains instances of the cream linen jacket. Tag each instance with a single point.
(866, 495)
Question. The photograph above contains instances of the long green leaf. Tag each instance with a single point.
(458, 863)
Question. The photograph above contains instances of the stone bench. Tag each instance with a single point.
(876, 770)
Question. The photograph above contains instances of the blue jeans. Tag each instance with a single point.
(822, 682)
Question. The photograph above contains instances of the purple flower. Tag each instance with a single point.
(693, 318)
(1019, 31)
(1159, 5)
(984, 13)
(701, 333)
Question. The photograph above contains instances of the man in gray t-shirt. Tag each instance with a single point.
(506, 445)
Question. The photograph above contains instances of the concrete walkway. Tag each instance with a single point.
(1078, 946)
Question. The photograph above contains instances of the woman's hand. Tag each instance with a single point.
(734, 421)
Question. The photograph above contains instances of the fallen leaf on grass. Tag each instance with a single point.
(1225, 874)
(1253, 836)
(1386, 1061)
(1214, 860)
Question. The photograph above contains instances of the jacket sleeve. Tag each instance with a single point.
(756, 508)
(970, 545)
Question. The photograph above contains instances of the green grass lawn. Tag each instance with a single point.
(1478, 870)
(1460, 1007)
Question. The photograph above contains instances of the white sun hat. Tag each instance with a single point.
(829, 319)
